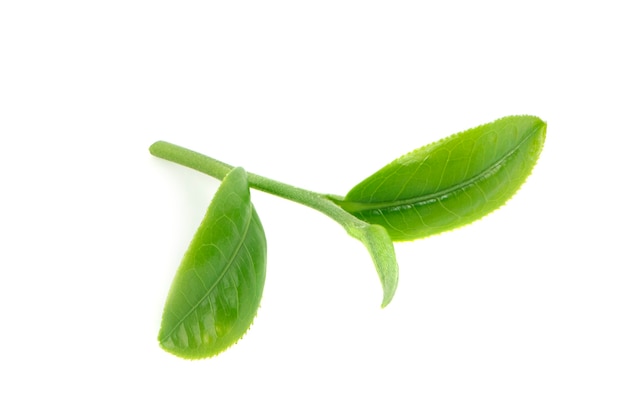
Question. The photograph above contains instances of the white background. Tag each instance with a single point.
(522, 313)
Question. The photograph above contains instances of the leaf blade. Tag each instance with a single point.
(380, 247)
(452, 182)
(218, 286)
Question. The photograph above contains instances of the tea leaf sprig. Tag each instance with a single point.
(439, 187)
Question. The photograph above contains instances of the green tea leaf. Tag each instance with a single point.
(452, 182)
(217, 290)
(380, 247)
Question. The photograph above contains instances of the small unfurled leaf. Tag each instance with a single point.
(217, 289)
(380, 247)
(452, 182)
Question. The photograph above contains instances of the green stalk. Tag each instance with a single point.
(218, 169)
(374, 237)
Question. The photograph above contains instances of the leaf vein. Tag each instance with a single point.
(472, 181)
(218, 280)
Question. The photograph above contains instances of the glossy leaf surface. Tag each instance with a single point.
(217, 289)
(452, 182)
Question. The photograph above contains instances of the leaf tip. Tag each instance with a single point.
(388, 295)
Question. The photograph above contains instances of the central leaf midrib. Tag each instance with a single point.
(217, 281)
(361, 206)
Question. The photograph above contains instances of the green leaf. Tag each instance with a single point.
(380, 247)
(217, 290)
(452, 182)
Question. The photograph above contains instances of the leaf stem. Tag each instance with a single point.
(218, 169)
(374, 237)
